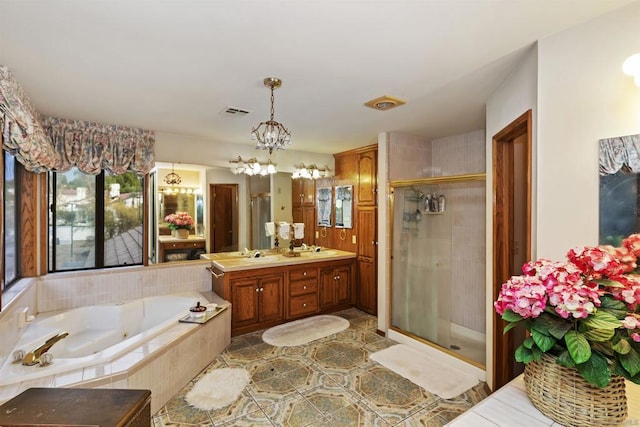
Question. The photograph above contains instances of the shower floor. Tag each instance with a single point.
(468, 343)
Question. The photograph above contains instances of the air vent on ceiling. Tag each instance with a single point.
(235, 112)
(384, 103)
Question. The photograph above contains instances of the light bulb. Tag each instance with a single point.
(271, 168)
(631, 65)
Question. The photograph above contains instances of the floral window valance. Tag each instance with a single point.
(92, 147)
(58, 145)
(20, 124)
(618, 153)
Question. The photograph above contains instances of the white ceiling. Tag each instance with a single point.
(173, 66)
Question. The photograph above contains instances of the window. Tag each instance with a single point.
(95, 221)
(11, 199)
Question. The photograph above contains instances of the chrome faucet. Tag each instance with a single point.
(33, 357)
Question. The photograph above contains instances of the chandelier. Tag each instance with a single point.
(252, 167)
(172, 178)
(271, 135)
(310, 172)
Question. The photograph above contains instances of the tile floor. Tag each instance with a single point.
(328, 382)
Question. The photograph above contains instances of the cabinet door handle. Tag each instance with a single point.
(304, 274)
(257, 289)
(304, 287)
(338, 277)
(261, 289)
(304, 305)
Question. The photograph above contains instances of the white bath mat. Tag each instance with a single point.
(218, 388)
(424, 370)
(303, 331)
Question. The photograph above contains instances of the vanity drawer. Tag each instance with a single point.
(303, 287)
(304, 304)
(303, 273)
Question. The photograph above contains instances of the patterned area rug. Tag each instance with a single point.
(303, 331)
(424, 370)
(218, 388)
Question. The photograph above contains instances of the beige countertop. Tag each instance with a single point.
(164, 239)
(234, 261)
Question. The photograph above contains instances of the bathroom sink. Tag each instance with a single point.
(323, 253)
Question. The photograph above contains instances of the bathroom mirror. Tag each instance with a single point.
(323, 200)
(344, 206)
(619, 168)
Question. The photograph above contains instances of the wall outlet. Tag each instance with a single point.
(317, 234)
(353, 239)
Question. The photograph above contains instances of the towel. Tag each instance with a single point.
(269, 228)
(298, 230)
(284, 230)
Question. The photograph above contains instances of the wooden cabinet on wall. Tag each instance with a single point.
(303, 201)
(359, 168)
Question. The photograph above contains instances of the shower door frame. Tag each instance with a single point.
(411, 183)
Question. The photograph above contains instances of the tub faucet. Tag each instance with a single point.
(33, 357)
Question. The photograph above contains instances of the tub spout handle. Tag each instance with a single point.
(18, 355)
(213, 272)
(33, 357)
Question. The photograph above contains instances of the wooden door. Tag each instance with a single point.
(297, 192)
(367, 287)
(271, 298)
(367, 178)
(224, 217)
(343, 285)
(244, 302)
(511, 164)
(327, 287)
(309, 192)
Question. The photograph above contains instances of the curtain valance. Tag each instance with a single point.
(620, 152)
(22, 133)
(54, 144)
(92, 147)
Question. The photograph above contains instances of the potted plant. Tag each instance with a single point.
(582, 316)
(181, 222)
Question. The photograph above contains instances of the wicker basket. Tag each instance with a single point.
(564, 396)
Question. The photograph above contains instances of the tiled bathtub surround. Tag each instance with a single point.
(154, 363)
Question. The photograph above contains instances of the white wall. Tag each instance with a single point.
(516, 95)
(583, 97)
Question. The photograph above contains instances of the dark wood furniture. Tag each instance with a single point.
(172, 249)
(77, 407)
(265, 297)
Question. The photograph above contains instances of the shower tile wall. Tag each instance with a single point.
(457, 155)
(414, 158)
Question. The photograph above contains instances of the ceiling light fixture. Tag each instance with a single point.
(310, 172)
(384, 103)
(252, 167)
(631, 67)
(172, 178)
(271, 135)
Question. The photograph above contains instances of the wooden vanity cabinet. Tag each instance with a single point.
(255, 300)
(335, 286)
(265, 297)
(303, 292)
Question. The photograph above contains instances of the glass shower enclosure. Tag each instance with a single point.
(438, 263)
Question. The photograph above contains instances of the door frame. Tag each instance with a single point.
(503, 195)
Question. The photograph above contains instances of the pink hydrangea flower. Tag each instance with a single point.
(524, 295)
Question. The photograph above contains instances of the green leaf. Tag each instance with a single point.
(544, 342)
(554, 325)
(510, 316)
(602, 347)
(601, 320)
(528, 343)
(537, 353)
(595, 370)
(609, 283)
(565, 360)
(578, 346)
(599, 335)
(510, 326)
(523, 354)
(622, 346)
(617, 313)
(610, 305)
(630, 362)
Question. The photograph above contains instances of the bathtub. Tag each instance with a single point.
(97, 334)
